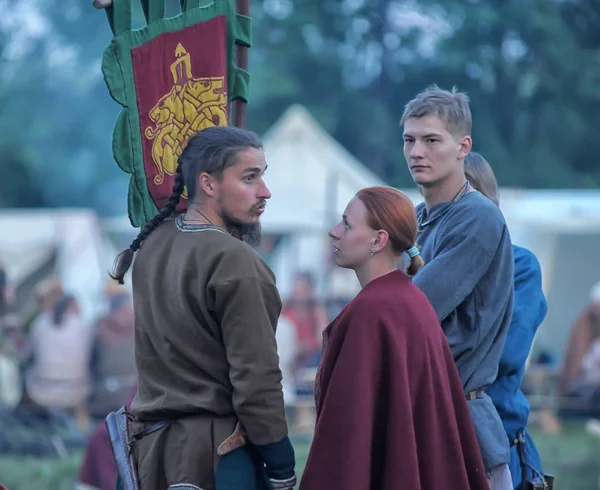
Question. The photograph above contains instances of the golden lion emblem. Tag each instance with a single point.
(191, 105)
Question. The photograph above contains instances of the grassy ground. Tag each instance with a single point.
(39, 474)
(573, 456)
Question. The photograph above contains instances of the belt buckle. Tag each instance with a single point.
(473, 395)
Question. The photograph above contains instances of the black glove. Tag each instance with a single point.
(280, 462)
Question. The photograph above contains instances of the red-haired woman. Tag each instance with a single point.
(391, 411)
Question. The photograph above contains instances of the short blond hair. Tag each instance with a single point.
(452, 107)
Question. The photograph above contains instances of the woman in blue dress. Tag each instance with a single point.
(529, 310)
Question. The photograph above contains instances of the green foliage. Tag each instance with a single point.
(531, 68)
(571, 456)
(57, 117)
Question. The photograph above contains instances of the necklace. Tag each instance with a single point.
(459, 195)
(192, 226)
(188, 220)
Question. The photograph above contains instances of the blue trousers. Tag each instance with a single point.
(241, 470)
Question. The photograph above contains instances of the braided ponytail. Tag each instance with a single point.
(125, 258)
(415, 264)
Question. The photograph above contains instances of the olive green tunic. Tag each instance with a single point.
(206, 309)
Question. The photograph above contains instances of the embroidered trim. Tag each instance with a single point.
(191, 228)
(283, 484)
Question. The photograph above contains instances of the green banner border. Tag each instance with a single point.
(117, 69)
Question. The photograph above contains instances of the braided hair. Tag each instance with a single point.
(210, 151)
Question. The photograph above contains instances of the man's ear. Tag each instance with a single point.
(207, 184)
(466, 143)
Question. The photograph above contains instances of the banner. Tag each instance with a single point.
(173, 77)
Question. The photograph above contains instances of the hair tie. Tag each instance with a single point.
(413, 251)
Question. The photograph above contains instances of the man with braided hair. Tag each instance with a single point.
(209, 410)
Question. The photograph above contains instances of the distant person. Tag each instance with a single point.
(579, 377)
(113, 358)
(585, 330)
(12, 344)
(529, 311)
(47, 293)
(59, 377)
(287, 348)
(391, 412)
(309, 315)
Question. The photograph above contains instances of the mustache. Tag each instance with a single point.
(258, 205)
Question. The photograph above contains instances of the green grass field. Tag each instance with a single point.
(573, 456)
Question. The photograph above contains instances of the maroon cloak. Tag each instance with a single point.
(391, 411)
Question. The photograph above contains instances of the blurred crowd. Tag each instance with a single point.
(52, 360)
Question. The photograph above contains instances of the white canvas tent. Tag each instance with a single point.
(562, 227)
(312, 178)
(82, 254)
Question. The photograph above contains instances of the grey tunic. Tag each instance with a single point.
(468, 278)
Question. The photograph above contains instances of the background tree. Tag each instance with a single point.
(531, 68)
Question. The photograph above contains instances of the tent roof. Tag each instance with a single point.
(311, 176)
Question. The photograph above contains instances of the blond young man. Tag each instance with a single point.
(468, 276)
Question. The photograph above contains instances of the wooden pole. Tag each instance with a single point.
(238, 106)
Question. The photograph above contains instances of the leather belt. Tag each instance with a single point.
(475, 395)
(138, 436)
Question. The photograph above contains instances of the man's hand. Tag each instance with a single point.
(237, 440)
(233, 442)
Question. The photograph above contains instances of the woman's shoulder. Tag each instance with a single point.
(395, 291)
(393, 302)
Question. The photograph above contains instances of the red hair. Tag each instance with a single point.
(390, 210)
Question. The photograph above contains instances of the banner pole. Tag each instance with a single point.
(238, 106)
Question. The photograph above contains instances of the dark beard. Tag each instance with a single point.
(249, 233)
(246, 232)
